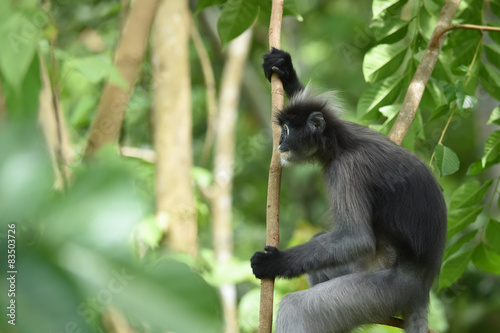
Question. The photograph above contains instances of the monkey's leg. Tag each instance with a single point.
(348, 301)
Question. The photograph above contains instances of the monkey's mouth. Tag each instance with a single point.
(285, 157)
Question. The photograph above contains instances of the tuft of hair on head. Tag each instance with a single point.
(307, 101)
(311, 93)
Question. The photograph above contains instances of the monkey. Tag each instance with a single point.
(386, 244)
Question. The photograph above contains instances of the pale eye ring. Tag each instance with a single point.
(285, 128)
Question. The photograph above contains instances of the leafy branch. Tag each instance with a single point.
(422, 74)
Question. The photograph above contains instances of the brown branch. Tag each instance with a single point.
(274, 183)
(129, 54)
(209, 77)
(480, 28)
(147, 155)
(423, 73)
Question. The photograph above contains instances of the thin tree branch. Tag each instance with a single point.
(208, 75)
(274, 184)
(423, 73)
(145, 154)
(480, 28)
(224, 151)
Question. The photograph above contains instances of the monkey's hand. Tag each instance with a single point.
(267, 264)
(280, 62)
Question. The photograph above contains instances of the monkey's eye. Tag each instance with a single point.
(285, 129)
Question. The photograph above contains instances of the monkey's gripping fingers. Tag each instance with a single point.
(279, 62)
(267, 264)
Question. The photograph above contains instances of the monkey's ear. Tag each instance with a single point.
(316, 122)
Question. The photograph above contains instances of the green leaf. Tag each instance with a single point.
(453, 268)
(490, 156)
(492, 233)
(290, 9)
(97, 68)
(465, 101)
(379, 94)
(459, 244)
(22, 101)
(495, 7)
(26, 172)
(433, 96)
(469, 194)
(236, 16)
(18, 40)
(42, 269)
(495, 116)
(379, 7)
(389, 30)
(390, 112)
(490, 80)
(459, 219)
(202, 4)
(491, 149)
(486, 259)
(492, 52)
(202, 177)
(383, 61)
(440, 112)
(476, 168)
(494, 34)
(446, 160)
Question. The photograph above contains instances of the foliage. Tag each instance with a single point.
(73, 248)
(73, 243)
(238, 15)
(402, 30)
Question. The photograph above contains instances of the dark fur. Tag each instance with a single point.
(386, 246)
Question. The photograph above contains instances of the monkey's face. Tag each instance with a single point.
(295, 145)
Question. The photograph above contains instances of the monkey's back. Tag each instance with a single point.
(408, 208)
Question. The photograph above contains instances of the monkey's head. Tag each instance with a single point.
(303, 123)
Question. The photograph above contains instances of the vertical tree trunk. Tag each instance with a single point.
(175, 205)
(221, 202)
(129, 54)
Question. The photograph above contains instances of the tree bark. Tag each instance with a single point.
(274, 183)
(175, 204)
(221, 202)
(422, 74)
(129, 55)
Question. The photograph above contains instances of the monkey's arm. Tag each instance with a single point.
(326, 250)
(280, 62)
